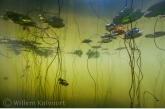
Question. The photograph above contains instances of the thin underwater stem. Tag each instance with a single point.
(155, 36)
(92, 79)
(97, 82)
(135, 87)
(96, 13)
(149, 94)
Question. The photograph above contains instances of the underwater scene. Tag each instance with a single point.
(82, 53)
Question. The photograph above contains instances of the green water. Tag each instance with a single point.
(119, 73)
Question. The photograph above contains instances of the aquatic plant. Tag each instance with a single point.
(155, 10)
(144, 99)
(54, 21)
(156, 34)
(127, 14)
(39, 67)
(105, 40)
(5, 78)
(86, 41)
(134, 91)
(18, 18)
(78, 52)
(134, 33)
(93, 54)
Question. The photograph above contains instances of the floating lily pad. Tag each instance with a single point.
(19, 18)
(111, 36)
(149, 36)
(121, 15)
(86, 41)
(155, 10)
(96, 46)
(104, 49)
(55, 22)
(105, 40)
(57, 19)
(134, 33)
(137, 14)
(127, 16)
(133, 36)
(159, 33)
(120, 48)
(156, 34)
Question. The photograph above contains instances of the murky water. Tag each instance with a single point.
(65, 59)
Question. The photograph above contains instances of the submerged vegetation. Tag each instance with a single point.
(78, 52)
(35, 42)
(93, 54)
